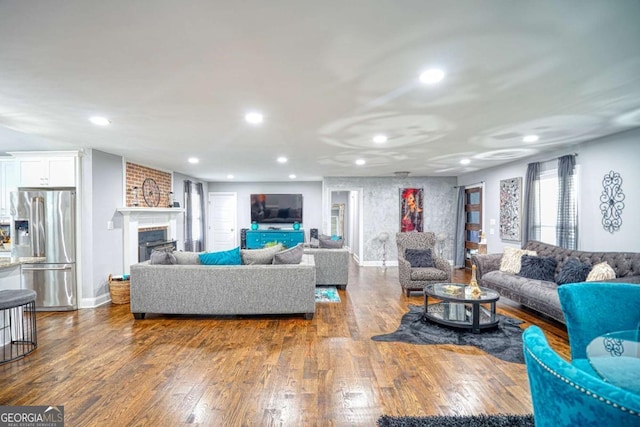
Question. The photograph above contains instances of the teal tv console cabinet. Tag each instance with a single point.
(256, 239)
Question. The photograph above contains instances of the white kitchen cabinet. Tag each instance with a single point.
(47, 169)
(8, 183)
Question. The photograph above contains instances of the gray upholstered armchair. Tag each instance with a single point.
(416, 278)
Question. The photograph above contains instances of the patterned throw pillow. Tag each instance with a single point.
(573, 271)
(420, 258)
(601, 271)
(538, 268)
(511, 257)
(289, 256)
(259, 256)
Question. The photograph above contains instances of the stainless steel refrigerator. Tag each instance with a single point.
(44, 225)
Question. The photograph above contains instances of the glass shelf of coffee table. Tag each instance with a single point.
(457, 307)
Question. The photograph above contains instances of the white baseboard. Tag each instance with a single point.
(379, 264)
(94, 302)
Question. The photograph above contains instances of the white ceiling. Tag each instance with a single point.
(176, 78)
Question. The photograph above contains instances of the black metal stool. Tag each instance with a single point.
(18, 334)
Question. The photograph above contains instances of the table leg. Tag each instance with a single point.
(475, 312)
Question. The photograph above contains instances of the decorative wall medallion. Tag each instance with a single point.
(611, 202)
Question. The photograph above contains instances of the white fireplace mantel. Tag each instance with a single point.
(136, 218)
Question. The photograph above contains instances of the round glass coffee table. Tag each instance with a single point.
(458, 308)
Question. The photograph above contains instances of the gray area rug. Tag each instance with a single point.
(500, 420)
(503, 342)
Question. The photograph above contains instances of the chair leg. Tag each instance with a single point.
(407, 292)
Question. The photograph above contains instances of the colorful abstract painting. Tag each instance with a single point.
(510, 209)
(411, 209)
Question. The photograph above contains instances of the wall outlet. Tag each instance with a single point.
(109, 225)
(492, 231)
(492, 221)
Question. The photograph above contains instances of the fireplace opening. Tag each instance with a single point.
(153, 239)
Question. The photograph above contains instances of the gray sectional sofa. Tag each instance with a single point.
(542, 296)
(332, 266)
(224, 290)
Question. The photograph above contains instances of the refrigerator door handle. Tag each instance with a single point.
(45, 268)
(37, 226)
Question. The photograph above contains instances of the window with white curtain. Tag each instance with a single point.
(549, 203)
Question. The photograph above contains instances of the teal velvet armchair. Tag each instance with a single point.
(592, 309)
(564, 395)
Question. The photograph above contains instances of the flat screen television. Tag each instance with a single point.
(276, 208)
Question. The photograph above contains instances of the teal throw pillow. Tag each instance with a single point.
(230, 257)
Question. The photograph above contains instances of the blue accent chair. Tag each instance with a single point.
(564, 395)
(592, 309)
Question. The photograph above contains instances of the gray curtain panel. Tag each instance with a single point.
(531, 220)
(188, 217)
(458, 243)
(567, 222)
(199, 242)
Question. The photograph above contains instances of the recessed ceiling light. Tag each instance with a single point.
(229, 176)
(100, 121)
(254, 118)
(379, 139)
(282, 160)
(360, 162)
(530, 138)
(292, 176)
(431, 76)
(193, 160)
(465, 161)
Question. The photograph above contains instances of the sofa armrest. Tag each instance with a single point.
(404, 271)
(486, 263)
(443, 264)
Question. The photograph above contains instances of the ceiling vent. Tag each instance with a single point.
(401, 174)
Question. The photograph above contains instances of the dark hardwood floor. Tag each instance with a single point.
(108, 369)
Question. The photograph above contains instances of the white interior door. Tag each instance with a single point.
(222, 232)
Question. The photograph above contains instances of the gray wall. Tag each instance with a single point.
(107, 245)
(620, 153)
(381, 209)
(311, 199)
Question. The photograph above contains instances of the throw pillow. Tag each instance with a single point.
(259, 256)
(419, 257)
(601, 271)
(329, 243)
(510, 262)
(187, 258)
(230, 257)
(538, 268)
(314, 243)
(573, 271)
(162, 258)
(289, 256)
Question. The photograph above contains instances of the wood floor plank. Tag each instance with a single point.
(108, 369)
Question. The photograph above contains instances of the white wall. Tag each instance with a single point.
(620, 153)
(311, 199)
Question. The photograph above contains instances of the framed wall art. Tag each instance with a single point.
(411, 200)
(510, 209)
